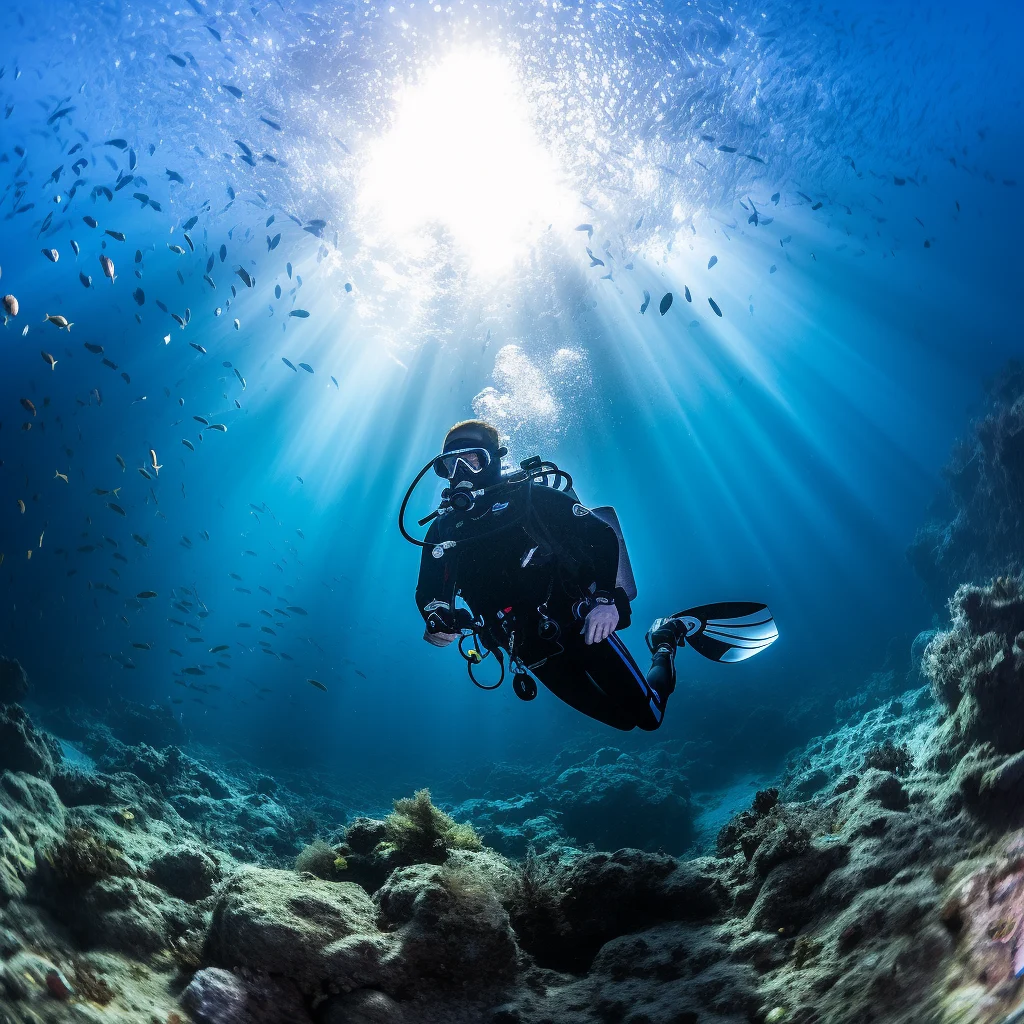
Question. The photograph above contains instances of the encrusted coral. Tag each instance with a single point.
(977, 666)
(422, 833)
(888, 757)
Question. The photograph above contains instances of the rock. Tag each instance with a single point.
(152, 724)
(450, 925)
(784, 898)
(14, 685)
(364, 1007)
(130, 915)
(215, 996)
(886, 789)
(977, 667)
(22, 749)
(297, 926)
(265, 786)
(187, 872)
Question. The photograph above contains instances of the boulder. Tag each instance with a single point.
(216, 996)
(187, 872)
(450, 925)
(297, 926)
(22, 749)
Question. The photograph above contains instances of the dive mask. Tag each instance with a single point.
(473, 461)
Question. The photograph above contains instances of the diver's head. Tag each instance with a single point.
(471, 455)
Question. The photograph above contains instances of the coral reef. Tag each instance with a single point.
(880, 878)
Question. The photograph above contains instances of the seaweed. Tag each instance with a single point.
(81, 857)
(321, 860)
(422, 833)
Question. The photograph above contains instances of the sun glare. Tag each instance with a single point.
(463, 153)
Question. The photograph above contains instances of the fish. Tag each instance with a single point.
(686, 293)
(594, 261)
(816, 206)
(139, 296)
(152, 457)
(174, 176)
(246, 277)
(306, 367)
(176, 249)
(296, 609)
(188, 239)
(60, 322)
(233, 89)
(188, 444)
(198, 348)
(271, 124)
(21, 506)
(118, 236)
(120, 462)
(776, 197)
(301, 313)
(116, 508)
(51, 254)
(219, 426)
(209, 281)
(192, 671)
(141, 646)
(58, 473)
(108, 267)
(334, 380)
(238, 325)
(11, 305)
(200, 419)
(90, 221)
(714, 306)
(712, 262)
(28, 406)
(85, 279)
(241, 379)
(219, 647)
(666, 303)
(317, 684)
(726, 149)
(643, 306)
(74, 247)
(288, 363)
(140, 540)
(145, 594)
(144, 473)
(47, 358)
(110, 363)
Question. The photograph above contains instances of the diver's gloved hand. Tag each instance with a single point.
(449, 620)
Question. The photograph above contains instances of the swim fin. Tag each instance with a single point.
(729, 631)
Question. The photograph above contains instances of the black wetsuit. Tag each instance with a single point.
(522, 563)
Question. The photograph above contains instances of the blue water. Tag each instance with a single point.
(783, 452)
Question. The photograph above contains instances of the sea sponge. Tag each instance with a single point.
(421, 833)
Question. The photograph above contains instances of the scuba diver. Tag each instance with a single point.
(548, 584)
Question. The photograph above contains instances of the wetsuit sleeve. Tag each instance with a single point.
(436, 581)
(574, 528)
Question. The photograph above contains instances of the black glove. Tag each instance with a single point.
(449, 620)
